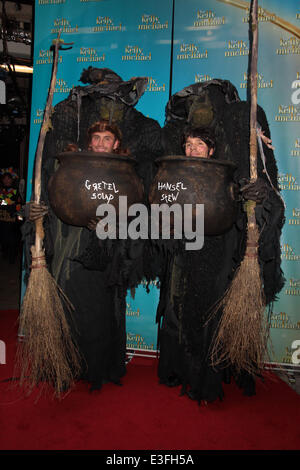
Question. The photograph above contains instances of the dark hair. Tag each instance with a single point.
(202, 133)
(105, 126)
(100, 126)
(71, 148)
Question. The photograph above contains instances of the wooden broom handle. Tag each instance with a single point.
(253, 92)
(39, 230)
(252, 235)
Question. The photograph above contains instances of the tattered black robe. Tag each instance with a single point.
(193, 281)
(94, 274)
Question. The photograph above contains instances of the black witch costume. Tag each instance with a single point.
(193, 281)
(94, 274)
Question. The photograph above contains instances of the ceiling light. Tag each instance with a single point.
(19, 68)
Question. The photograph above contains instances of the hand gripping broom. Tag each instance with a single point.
(242, 337)
(48, 353)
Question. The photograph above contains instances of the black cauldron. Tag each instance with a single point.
(84, 180)
(196, 180)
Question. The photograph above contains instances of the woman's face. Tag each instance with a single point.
(104, 142)
(195, 147)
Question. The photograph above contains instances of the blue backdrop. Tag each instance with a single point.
(209, 40)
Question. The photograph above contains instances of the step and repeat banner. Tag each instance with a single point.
(207, 39)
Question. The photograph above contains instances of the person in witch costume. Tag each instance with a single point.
(96, 274)
(194, 281)
(98, 333)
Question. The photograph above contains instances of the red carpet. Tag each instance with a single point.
(142, 415)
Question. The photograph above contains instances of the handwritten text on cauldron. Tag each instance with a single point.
(101, 190)
(170, 187)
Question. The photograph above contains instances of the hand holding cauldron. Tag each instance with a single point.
(92, 224)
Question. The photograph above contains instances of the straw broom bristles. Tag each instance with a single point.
(48, 353)
(242, 337)
(243, 331)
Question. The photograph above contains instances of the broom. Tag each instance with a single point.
(242, 337)
(48, 353)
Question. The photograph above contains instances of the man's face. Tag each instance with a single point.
(195, 147)
(103, 142)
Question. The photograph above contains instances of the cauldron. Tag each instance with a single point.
(84, 180)
(196, 180)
